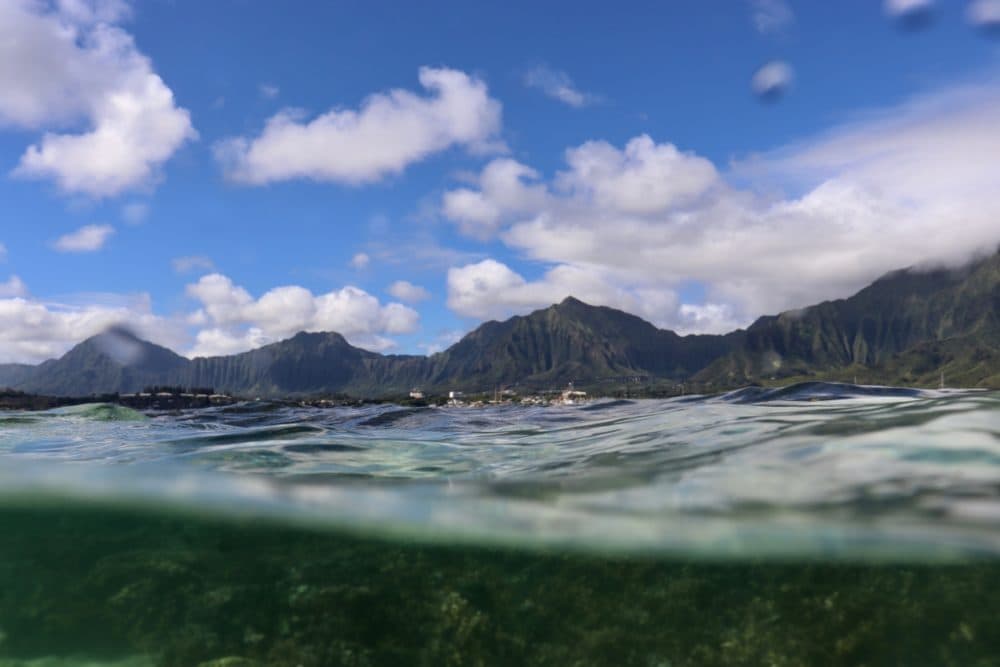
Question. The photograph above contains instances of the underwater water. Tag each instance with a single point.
(820, 524)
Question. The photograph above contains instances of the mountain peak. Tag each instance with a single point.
(121, 345)
(316, 338)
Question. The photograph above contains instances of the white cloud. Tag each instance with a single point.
(984, 14)
(389, 132)
(32, 331)
(912, 184)
(444, 340)
(235, 321)
(60, 66)
(643, 178)
(191, 263)
(219, 342)
(360, 261)
(3, 252)
(269, 90)
(229, 320)
(557, 85)
(88, 238)
(408, 292)
(88, 12)
(14, 286)
(772, 80)
(771, 16)
(492, 290)
(902, 8)
(504, 187)
(135, 213)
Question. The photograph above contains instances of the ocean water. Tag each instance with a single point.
(812, 525)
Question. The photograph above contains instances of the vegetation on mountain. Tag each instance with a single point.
(911, 327)
(908, 327)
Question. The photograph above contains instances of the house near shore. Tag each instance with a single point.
(572, 396)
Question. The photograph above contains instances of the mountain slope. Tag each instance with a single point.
(573, 341)
(906, 327)
(114, 361)
(900, 314)
(13, 374)
(308, 363)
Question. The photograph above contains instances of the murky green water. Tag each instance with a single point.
(753, 529)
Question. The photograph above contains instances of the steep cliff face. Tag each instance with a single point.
(896, 314)
(575, 341)
(571, 341)
(309, 363)
(114, 361)
(906, 327)
(14, 374)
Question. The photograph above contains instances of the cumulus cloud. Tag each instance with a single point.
(386, 134)
(557, 85)
(912, 184)
(88, 12)
(771, 16)
(269, 90)
(3, 252)
(32, 331)
(492, 290)
(13, 286)
(643, 178)
(192, 263)
(235, 321)
(408, 292)
(88, 238)
(504, 186)
(66, 64)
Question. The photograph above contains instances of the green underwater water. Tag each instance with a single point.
(91, 584)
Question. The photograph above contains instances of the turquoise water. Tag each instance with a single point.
(822, 524)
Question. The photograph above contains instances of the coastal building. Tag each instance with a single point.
(416, 394)
(572, 396)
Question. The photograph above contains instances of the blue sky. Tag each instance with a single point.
(219, 175)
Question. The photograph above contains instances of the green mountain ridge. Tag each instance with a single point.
(899, 328)
(908, 327)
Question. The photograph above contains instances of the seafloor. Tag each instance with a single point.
(85, 585)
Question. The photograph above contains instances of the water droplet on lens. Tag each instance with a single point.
(985, 15)
(910, 15)
(121, 345)
(771, 81)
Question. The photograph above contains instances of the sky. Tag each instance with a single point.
(218, 176)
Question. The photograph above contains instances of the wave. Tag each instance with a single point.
(815, 469)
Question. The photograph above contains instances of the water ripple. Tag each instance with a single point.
(873, 465)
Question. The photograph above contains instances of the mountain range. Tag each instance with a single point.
(909, 327)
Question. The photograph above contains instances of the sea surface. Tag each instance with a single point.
(811, 525)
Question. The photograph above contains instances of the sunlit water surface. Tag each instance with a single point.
(821, 524)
